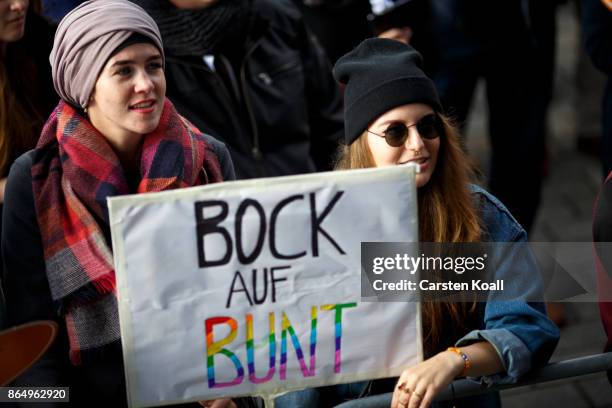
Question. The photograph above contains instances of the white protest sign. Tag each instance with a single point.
(253, 287)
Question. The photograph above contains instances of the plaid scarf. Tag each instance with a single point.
(74, 172)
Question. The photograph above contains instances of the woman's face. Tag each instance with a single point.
(415, 149)
(128, 98)
(12, 19)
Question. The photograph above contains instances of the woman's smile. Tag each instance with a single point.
(144, 107)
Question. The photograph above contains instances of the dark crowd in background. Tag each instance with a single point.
(509, 45)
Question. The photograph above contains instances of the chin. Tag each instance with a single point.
(147, 127)
(422, 179)
(15, 35)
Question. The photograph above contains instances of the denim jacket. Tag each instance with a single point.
(520, 331)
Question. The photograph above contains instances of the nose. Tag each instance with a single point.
(19, 5)
(143, 82)
(414, 141)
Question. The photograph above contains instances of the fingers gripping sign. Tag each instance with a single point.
(418, 385)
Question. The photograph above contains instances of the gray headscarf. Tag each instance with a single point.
(87, 37)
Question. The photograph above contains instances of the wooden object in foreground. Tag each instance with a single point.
(21, 346)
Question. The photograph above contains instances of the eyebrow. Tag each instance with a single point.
(127, 62)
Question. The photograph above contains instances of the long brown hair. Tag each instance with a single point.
(20, 116)
(18, 129)
(447, 213)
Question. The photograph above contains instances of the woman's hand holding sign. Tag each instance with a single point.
(418, 385)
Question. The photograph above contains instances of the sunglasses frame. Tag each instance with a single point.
(437, 124)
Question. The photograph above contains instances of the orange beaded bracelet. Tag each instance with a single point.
(466, 361)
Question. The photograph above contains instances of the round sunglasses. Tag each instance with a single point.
(429, 127)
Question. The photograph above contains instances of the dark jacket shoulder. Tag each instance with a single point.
(25, 161)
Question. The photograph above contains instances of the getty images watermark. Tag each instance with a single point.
(429, 265)
(478, 272)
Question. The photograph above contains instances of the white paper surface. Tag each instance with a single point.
(166, 298)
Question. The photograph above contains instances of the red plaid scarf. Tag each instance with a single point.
(74, 172)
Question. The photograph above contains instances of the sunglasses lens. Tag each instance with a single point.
(428, 127)
(396, 135)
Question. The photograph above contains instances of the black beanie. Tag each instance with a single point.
(381, 74)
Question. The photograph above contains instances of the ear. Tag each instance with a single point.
(91, 102)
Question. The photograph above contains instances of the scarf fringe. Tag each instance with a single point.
(75, 357)
(105, 284)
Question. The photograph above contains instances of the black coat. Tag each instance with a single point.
(275, 105)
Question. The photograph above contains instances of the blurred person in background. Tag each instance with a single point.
(322, 17)
(249, 73)
(408, 21)
(26, 91)
(510, 45)
(25, 80)
(597, 37)
(55, 10)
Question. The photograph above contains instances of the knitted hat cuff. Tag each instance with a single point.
(401, 91)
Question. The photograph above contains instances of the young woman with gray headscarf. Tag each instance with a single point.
(114, 132)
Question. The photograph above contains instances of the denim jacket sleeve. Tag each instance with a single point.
(519, 330)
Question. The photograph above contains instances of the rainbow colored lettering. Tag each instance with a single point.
(213, 348)
(298, 348)
(251, 354)
(338, 324)
(308, 370)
